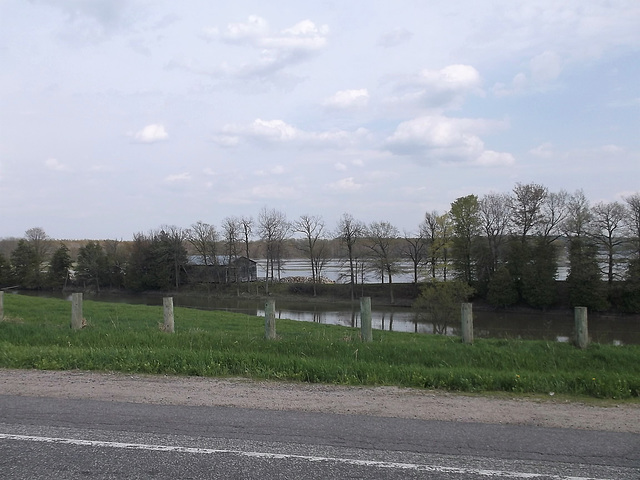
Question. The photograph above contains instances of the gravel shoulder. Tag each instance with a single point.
(268, 395)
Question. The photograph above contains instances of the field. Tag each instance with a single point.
(35, 333)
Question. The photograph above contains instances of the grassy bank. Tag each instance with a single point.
(35, 333)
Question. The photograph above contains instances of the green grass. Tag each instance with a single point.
(36, 333)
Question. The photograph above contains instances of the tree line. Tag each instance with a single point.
(506, 247)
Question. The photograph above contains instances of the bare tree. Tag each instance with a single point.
(415, 249)
(437, 230)
(608, 230)
(633, 221)
(173, 239)
(272, 228)
(40, 244)
(579, 215)
(349, 231)
(526, 208)
(232, 232)
(554, 213)
(247, 231)
(312, 227)
(204, 239)
(381, 241)
(493, 210)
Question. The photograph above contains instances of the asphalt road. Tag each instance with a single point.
(45, 438)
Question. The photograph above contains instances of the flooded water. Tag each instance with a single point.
(554, 326)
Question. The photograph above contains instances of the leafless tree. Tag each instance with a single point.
(314, 245)
(349, 231)
(554, 213)
(608, 230)
(579, 215)
(204, 239)
(633, 221)
(526, 208)
(437, 230)
(381, 241)
(272, 228)
(415, 249)
(493, 209)
(232, 233)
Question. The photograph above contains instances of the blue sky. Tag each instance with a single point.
(119, 116)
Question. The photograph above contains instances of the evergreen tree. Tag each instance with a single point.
(501, 289)
(25, 266)
(539, 275)
(5, 272)
(92, 265)
(584, 281)
(58, 273)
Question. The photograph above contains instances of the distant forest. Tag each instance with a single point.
(507, 247)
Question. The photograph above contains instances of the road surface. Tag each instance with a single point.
(45, 437)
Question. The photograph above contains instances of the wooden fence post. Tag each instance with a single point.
(270, 320)
(582, 330)
(467, 323)
(365, 319)
(76, 311)
(167, 304)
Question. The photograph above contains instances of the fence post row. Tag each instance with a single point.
(76, 311)
(582, 330)
(270, 320)
(365, 319)
(167, 304)
(467, 323)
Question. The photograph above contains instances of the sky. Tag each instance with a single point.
(122, 116)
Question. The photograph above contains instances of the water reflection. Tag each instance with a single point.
(556, 326)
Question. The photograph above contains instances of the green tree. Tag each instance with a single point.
(539, 288)
(25, 266)
(465, 220)
(5, 271)
(58, 273)
(501, 291)
(584, 281)
(439, 302)
(92, 267)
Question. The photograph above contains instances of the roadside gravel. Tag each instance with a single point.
(374, 401)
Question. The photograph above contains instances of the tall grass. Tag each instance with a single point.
(36, 333)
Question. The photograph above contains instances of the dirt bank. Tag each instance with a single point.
(375, 401)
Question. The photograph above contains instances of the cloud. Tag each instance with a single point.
(439, 89)
(54, 164)
(346, 185)
(395, 38)
(151, 134)
(279, 132)
(178, 177)
(276, 50)
(447, 139)
(544, 70)
(348, 99)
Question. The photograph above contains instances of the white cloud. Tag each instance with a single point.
(276, 50)
(274, 191)
(345, 184)
(278, 131)
(395, 38)
(544, 150)
(439, 89)
(341, 167)
(544, 70)
(348, 99)
(178, 177)
(55, 164)
(447, 139)
(151, 134)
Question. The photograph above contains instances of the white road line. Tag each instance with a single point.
(265, 455)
